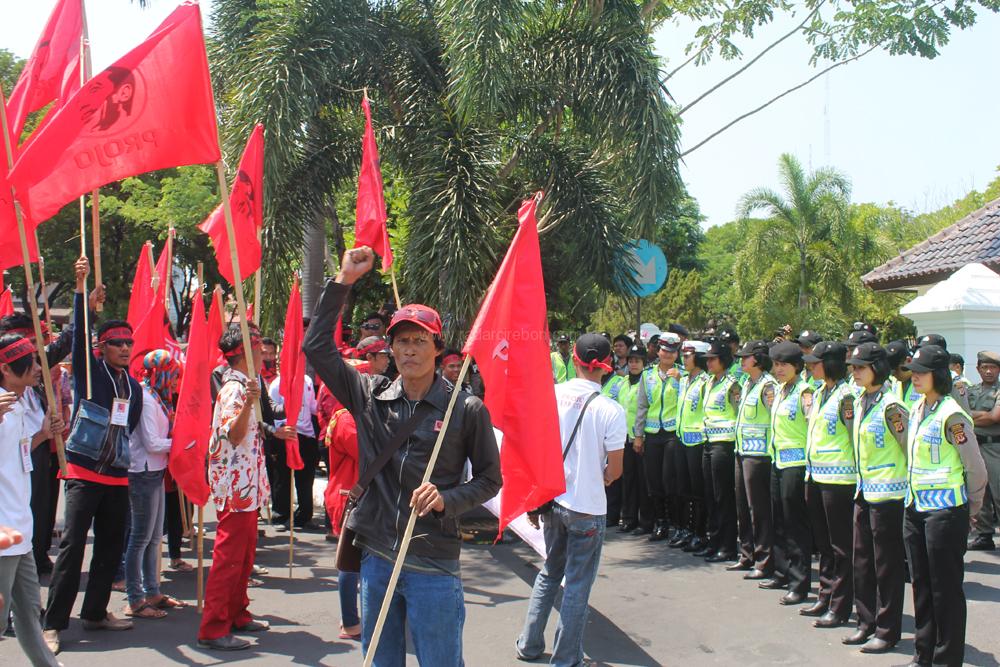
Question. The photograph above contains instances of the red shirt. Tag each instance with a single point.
(341, 438)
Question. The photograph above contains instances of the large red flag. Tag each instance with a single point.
(6, 302)
(142, 294)
(10, 240)
(246, 200)
(193, 419)
(370, 219)
(510, 344)
(52, 73)
(291, 381)
(152, 109)
(215, 328)
(148, 334)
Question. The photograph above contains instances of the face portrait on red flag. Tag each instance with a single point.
(106, 102)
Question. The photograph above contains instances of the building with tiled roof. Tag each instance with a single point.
(973, 239)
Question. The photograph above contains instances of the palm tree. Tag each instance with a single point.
(477, 104)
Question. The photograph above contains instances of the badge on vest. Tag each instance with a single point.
(119, 412)
(25, 447)
(438, 425)
(958, 434)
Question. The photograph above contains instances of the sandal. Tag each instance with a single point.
(144, 610)
(118, 586)
(181, 566)
(167, 602)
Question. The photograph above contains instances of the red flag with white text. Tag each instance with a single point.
(370, 218)
(509, 341)
(152, 109)
(291, 380)
(246, 201)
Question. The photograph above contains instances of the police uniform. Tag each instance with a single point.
(985, 398)
(753, 472)
(721, 400)
(690, 452)
(612, 388)
(789, 406)
(959, 384)
(636, 512)
(946, 478)
(879, 425)
(830, 483)
(562, 367)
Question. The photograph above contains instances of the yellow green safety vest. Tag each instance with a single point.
(753, 422)
(936, 474)
(691, 417)
(829, 459)
(807, 377)
(789, 427)
(661, 395)
(881, 462)
(720, 415)
(562, 370)
(736, 370)
(628, 398)
(909, 398)
(613, 386)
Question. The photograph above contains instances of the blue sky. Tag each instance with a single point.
(917, 132)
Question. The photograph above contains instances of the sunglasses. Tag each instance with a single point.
(120, 342)
(420, 315)
(370, 326)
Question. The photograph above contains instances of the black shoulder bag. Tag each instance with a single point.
(547, 507)
(349, 556)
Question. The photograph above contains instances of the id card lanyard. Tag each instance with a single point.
(119, 406)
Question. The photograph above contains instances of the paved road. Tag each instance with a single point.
(650, 606)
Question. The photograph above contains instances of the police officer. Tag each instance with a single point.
(830, 483)
(637, 511)
(753, 465)
(562, 360)
(729, 336)
(691, 431)
(898, 354)
(959, 385)
(879, 426)
(790, 404)
(657, 410)
(947, 478)
(984, 399)
(620, 346)
(722, 400)
(956, 364)
(611, 386)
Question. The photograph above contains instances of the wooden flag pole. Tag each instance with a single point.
(185, 525)
(241, 304)
(395, 288)
(83, 207)
(171, 233)
(201, 557)
(257, 289)
(86, 71)
(408, 534)
(29, 283)
(201, 277)
(41, 284)
(291, 519)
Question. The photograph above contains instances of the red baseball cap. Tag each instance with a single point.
(419, 314)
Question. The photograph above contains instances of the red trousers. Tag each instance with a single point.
(226, 601)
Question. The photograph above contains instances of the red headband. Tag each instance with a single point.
(29, 332)
(22, 347)
(451, 358)
(238, 350)
(374, 348)
(596, 363)
(114, 333)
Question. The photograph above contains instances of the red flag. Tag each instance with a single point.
(370, 219)
(148, 333)
(152, 109)
(52, 73)
(142, 293)
(10, 239)
(246, 200)
(171, 345)
(215, 329)
(6, 302)
(509, 343)
(193, 419)
(293, 371)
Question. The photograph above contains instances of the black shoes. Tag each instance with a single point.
(829, 620)
(680, 540)
(816, 609)
(792, 598)
(755, 574)
(876, 645)
(660, 532)
(642, 530)
(627, 526)
(705, 551)
(720, 557)
(739, 566)
(982, 543)
(773, 584)
(859, 637)
(696, 544)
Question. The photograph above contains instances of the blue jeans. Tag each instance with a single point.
(146, 498)
(347, 585)
(572, 550)
(432, 605)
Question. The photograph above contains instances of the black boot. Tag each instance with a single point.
(659, 531)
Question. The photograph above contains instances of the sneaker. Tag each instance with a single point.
(227, 643)
(109, 622)
(51, 638)
(253, 626)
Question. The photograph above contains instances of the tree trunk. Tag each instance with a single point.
(803, 303)
(314, 263)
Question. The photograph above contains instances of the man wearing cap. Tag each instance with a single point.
(653, 349)
(637, 506)
(592, 428)
(807, 340)
(562, 363)
(690, 535)
(753, 464)
(429, 598)
(722, 400)
(96, 476)
(984, 399)
(729, 336)
(656, 431)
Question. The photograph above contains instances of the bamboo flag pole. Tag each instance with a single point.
(29, 283)
(41, 284)
(86, 71)
(171, 233)
(83, 211)
(395, 288)
(201, 557)
(408, 534)
(291, 520)
(257, 288)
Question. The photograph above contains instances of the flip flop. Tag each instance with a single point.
(167, 602)
(182, 567)
(145, 610)
(345, 635)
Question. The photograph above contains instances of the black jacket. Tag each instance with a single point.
(379, 408)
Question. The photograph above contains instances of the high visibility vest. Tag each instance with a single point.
(829, 459)
(736, 370)
(562, 370)
(720, 415)
(613, 386)
(628, 398)
(753, 422)
(936, 474)
(907, 394)
(661, 395)
(807, 377)
(691, 411)
(789, 427)
(881, 462)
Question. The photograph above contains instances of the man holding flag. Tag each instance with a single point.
(429, 598)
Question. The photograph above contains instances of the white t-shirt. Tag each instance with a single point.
(304, 425)
(15, 481)
(601, 431)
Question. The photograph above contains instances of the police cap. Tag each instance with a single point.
(896, 352)
(786, 352)
(933, 339)
(678, 329)
(752, 347)
(728, 335)
(715, 346)
(636, 351)
(826, 349)
(860, 336)
(808, 338)
(867, 354)
(929, 358)
(987, 357)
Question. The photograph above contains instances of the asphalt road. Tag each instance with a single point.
(650, 606)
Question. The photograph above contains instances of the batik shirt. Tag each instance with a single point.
(236, 472)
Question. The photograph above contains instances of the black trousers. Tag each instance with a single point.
(44, 501)
(613, 496)
(757, 478)
(658, 468)
(878, 567)
(792, 540)
(935, 544)
(309, 451)
(691, 486)
(720, 495)
(831, 515)
(636, 503)
(106, 507)
(172, 525)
